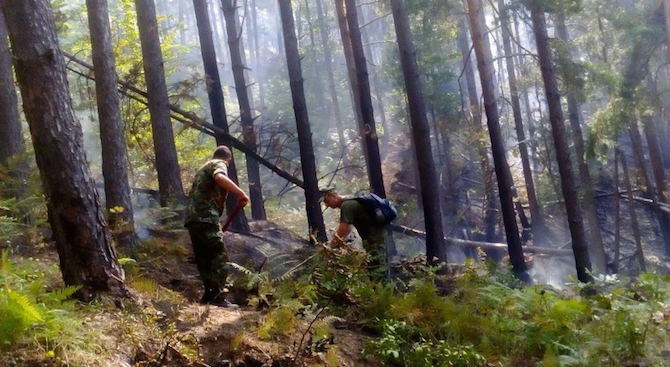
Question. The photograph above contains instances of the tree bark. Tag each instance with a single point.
(167, 165)
(503, 174)
(11, 137)
(216, 103)
(432, 211)
(596, 249)
(249, 135)
(112, 137)
(572, 206)
(85, 250)
(368, 129)
(307, 159)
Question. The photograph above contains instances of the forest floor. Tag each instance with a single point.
(164, 324)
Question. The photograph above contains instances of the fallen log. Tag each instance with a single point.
(484, 245)
(192, 120)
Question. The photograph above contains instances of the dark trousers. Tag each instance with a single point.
(211, 257)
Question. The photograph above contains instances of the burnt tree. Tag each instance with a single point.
(368, 129)
(570, 194)
(307, 158)
(248, 134)
(167, 165)
(480, 43)
(432, 211)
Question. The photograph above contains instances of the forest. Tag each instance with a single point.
(524, 143)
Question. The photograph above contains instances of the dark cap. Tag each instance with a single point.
(325, 192)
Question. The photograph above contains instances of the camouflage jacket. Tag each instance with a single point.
(207, 200)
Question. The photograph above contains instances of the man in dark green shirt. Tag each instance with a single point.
(206, 202)
(353, 214)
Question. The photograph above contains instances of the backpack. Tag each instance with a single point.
(381, 209)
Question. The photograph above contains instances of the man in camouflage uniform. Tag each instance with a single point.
(353, 214)
(206, 202)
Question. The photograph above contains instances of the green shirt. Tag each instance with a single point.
(207, 200)
(354, 212)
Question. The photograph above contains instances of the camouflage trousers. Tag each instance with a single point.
(211, 257)
(378, 265)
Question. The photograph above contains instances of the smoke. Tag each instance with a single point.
(554, 271)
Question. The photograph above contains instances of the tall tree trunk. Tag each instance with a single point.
(617, 214)
(257, 65)
(666, 18)
(307, 159)
(328, 61)
(368, 130)
(476, 123)
(11, 138)
(112, 137)
(216, 103)
(505, 183)
(659, 176)
(85, 250)
(375, 81)
(167, 165)
(666, 130)
(537, 217)
(432, 211)
(596, 249)
(351, 64)
(633, 214)
(248, 133)
(572, 206)
(316, 72)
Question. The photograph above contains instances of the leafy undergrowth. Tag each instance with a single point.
(323, 310)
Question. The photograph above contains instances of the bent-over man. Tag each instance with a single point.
(353, 214)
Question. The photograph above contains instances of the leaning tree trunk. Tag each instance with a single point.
(368, 129)
(216, 102)
(85, 250)
(307, 159)
(167, 165)
(659, 173)
(432, 211)
(538, 227)
(112, 136)
(661, 216)
(504, 176)
(248, 133)
(596, 249)
(572, 206)
(475, 113)
(11, 138)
